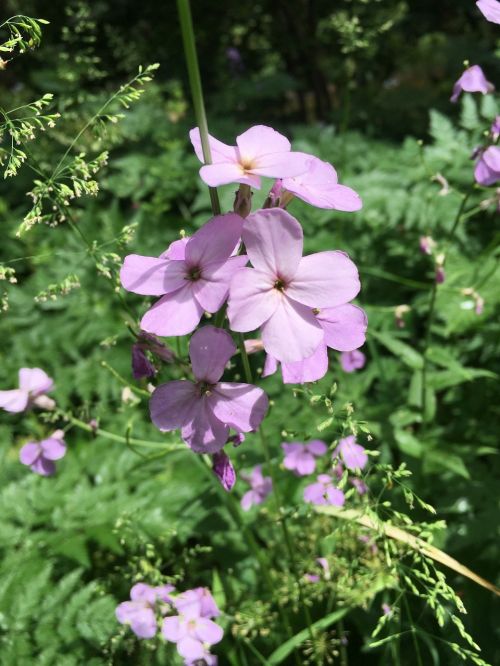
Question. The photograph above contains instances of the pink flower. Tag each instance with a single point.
(323, 562)
(319, 187)
(487, 171)
(202, 598)
(490, 10)
(260, 151)
(324, 492)
(344, 328)
(427, 244)
(440, 275)
(204, 410)
(472, 80)
(191, 630)
(192, 276)
(352, 454)
(261, 487)
(352, 361)
(40, 456)
(301, 458)
(223, 469)
(34, 383)
(139, 612)
(280, 292)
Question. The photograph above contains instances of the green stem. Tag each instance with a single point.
(244, 358)
(188, 40)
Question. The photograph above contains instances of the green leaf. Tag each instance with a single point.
(439, 459)
(279, 655)
(408, 443)
(406, 353)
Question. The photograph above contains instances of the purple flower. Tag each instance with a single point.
(191, 630)
(352, 360)
(472, 80)
(440, 275)
(139, 613)
(495, 127)
(40, 456)
(324, 492)
(319, 187)
(487, 170)
(490, 9)
(261, 487)
(224, 470)
(204, 410)
(34, 383)
(353, 454)
(427, 244)
(301, 458)
(202, 598)
(141, 365)
(344, 328)
(360, 485)
(260, 151)
(192, 276)
(279, 293)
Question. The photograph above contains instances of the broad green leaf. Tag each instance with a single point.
(400, 349)
(408, 443)
(437, 459)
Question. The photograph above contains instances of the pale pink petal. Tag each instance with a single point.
(143, 592)
(260, 140)
(53, 448)
(215, 241)
(279, 165)
(270, 366)
(252, 299)
(14, 401)
(176, 250)
(171, 629)
(219, 152)
(215, 175)
(492, 158)
(143, 623)
(174, 314)
(210, 349)
(150, 276)
(305, 463)
(43, 467)
(315, 493)
(35, 380)
(208, 631)
(490, 10)
(273, 241)
(342, 198)
(29, 453)
(205, 433)
(344, 326)
(248, 500)
(484, 175)
(212, 289)
(173, 404)
(292, 333)
(190, 648)
(324, 279)
(125, 611)
(335, 496)
(311, 369)
(317, 447)
(240, 406)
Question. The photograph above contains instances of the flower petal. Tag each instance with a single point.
(173, 404)
(143, 592)
(171, 629)
(261, 140)
(273, 241)
(224, 173)
(176, 250)
(315, 493)
(310, 369)
(205, 433)
(43, 467)
(324, 279)
(215, 241)
(240, 406)
(344, 326)
(190, 648)
(335, 496)
(212, 289)
(252, 299)
(292, 332)
(143, 623)
(208, 631)
(35, 380)
(279, 165)
(317, 447)
(210, 349)
(270, 366)
(14, 401)
(29, 453)
(219, 152)
(53, 448)
(152, 276)
(174, 314)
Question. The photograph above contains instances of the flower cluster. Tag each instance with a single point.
(300, 305)
(186, 619)
(34, 384)
(40, 456)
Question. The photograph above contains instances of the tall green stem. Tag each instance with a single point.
(188, 40)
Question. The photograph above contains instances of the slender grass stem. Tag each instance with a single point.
(244, 357)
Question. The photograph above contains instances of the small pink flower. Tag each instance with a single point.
(40, 456)
(204, 410)
(192, 276)
(472, 80)
(440, 275)
(260, 151)
(487, 170)
(34, 383)
(427, 244)
(324, 492)
(353, 454)
(261, 487)
(281, 290)
(319, 187)
(352, 361)
(301, 458)
(139, 612)
(202, 598)
(490, 10)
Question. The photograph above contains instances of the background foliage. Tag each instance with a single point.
(364, 86)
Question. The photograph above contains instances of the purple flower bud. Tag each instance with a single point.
(141, 365)
(427, 244)
(495, 128)
(224, 470)
(440, 275)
